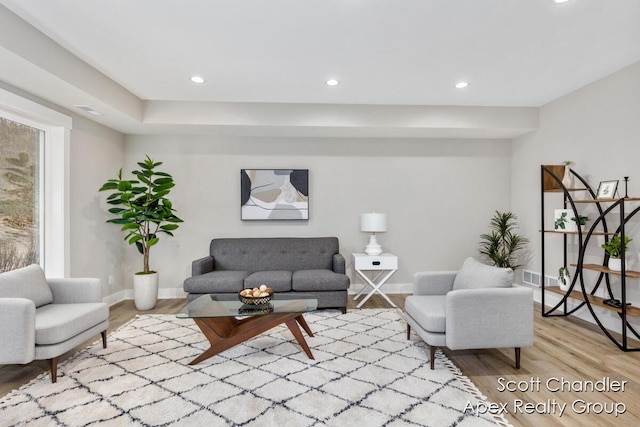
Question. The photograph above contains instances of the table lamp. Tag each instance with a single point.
(373, 223)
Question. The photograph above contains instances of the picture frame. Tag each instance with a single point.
(607, 189)
(564, 220)
(274, 194)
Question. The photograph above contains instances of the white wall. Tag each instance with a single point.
(598, 128)
(438, 195)
(97, 153)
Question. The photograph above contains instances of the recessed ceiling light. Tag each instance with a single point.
(561, 1)
(462, 85)
(197, 79)
(332, 82)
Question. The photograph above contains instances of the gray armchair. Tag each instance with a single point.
(475, 307)
(43, 319)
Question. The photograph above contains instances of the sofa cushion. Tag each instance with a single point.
(216, 281)
(319, 280)
(475, 275)
(27, 282)
(278, 281)
(428, 311)
(56, 323)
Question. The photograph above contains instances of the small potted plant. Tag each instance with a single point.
(563, 278)
(567, 179)
(582, 220)
(614, 249)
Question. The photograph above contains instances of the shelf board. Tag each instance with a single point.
(603, 269)
(596, 301)
(628, 199)
(595, 233)
(560, 190)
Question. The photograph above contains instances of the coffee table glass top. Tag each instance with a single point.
(228, 305)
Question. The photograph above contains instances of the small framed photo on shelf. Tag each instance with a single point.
(607, 189)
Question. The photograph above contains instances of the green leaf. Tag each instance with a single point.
(153, 241)
(110, 185)
(169, 227)
(124, 186)
(162, 181)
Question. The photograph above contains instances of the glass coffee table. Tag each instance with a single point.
(226, 322)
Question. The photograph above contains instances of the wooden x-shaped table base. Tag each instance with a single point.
(226, 332)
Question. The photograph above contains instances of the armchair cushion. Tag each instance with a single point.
(428, 311)
(56, 323)
(27, 282)
(475, 275)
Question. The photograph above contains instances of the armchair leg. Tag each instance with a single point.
(408, 331)
(432, 356)
(53, 363)
(517, 357)
(104, 339)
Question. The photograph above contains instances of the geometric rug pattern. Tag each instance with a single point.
(365, 373)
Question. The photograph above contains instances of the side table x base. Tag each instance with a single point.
(375, 285)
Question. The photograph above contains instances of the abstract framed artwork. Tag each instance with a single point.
(274, 194)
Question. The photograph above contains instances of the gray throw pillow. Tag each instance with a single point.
(475, 275)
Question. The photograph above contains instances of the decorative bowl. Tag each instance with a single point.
(255, 300)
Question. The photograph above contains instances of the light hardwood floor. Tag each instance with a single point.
(564, 348)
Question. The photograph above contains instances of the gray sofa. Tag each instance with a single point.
(296, 266)
(44, 318)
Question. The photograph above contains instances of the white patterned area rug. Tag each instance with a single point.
(365, 372)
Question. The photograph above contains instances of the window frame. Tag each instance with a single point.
(55, 195)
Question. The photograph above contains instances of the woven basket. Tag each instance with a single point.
(254, 300)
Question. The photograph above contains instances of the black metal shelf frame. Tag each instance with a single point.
(578, 282)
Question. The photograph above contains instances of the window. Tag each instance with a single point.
(21, 148)
(34, 184)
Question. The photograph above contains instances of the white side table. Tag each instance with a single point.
(384, 264)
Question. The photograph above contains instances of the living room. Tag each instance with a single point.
(439, 172)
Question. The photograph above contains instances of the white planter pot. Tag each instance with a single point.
(615, 264)
(145, 290)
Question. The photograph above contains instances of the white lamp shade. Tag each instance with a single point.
(373, 222)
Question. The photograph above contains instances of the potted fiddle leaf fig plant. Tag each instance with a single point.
(614, 248)
(144, 212)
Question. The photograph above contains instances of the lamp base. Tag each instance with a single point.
(373, 248)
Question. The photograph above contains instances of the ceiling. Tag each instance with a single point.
(131, 60)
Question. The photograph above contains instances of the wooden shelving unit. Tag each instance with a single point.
(581, 291)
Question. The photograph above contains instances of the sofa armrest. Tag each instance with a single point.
(339, 264)
(17, 330)
(433, 282)
(202, 266)
(75, 290)
(489, 318)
